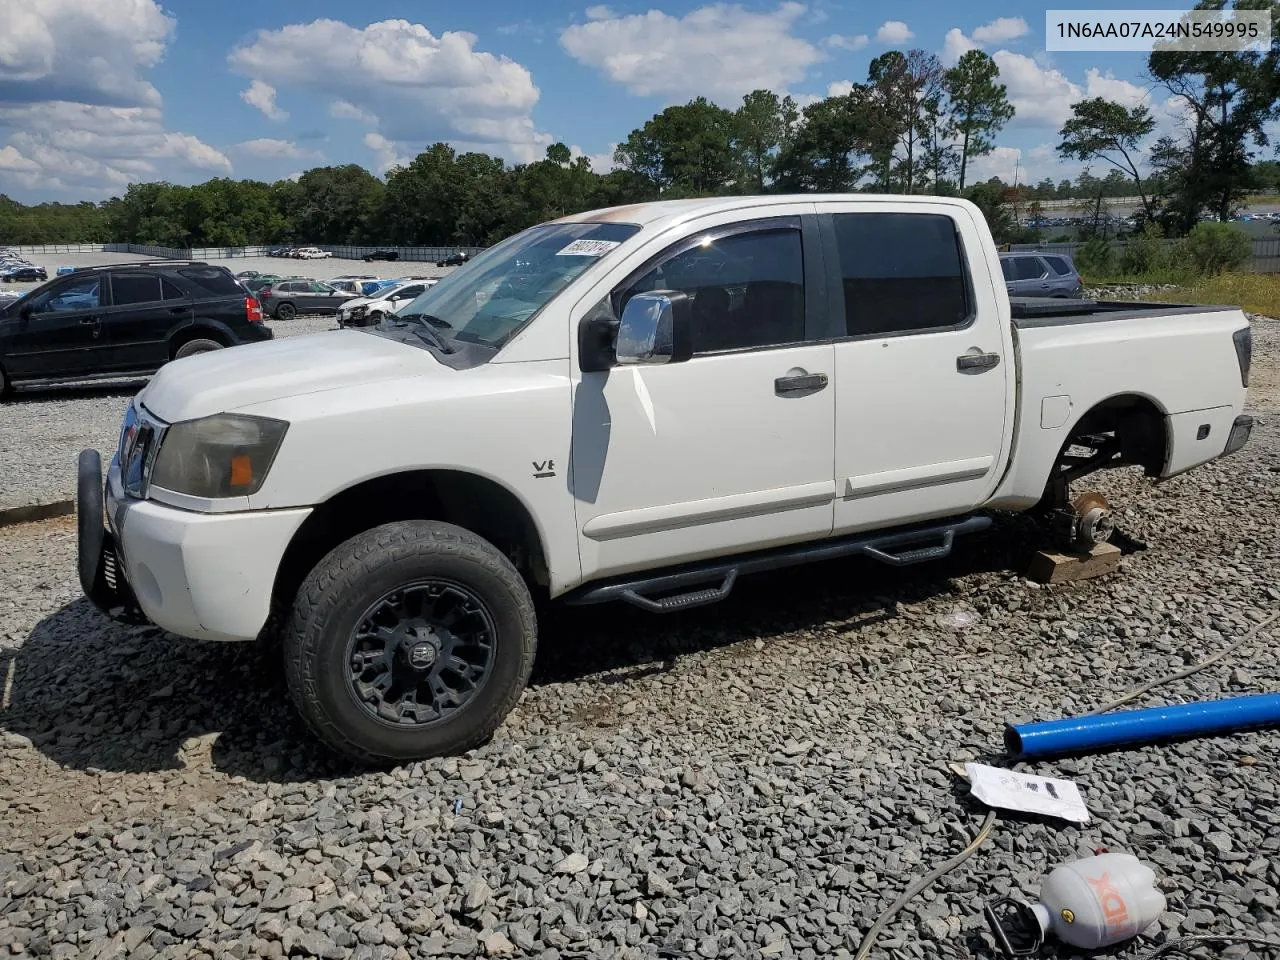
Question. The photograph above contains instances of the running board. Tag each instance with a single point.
(712, 581)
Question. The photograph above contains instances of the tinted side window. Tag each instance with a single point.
(211, 281)
(1058, 265)
(171, 291)
(1006, 267)
(747, 289)
(128, 288)
(82, 295)
(902, 272)
(1029, 268)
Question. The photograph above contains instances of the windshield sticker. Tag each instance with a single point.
(588, 248)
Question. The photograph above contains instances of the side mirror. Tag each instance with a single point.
(655, 328)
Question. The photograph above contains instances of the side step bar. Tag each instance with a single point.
(709, 582)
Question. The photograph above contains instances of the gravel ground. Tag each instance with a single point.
(43, 431)
(758, 778)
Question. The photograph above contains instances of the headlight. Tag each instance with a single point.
(226, 455)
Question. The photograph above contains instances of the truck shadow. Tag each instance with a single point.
(94, 695)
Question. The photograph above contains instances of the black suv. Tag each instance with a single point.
(123, 320)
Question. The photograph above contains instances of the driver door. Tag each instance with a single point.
(728, 451)
(62, 335)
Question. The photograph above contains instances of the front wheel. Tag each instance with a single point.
(286, 311)
(411, 640)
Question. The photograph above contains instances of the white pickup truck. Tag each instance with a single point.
(642, 403)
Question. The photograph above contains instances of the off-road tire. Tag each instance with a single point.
(199, 345)
(286, 311)
(340, 589)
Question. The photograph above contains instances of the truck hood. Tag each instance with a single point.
(224, 380)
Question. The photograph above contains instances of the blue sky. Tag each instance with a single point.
(95, 94)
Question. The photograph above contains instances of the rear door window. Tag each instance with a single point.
(1029, 268)
(902, 273)
(1058, 265)
(133, 288)
(171, 290)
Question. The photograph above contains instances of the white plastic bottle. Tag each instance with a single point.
(1090, 903)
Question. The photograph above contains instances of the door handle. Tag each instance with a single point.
(177, 310)
(801, 383)
(977, 361)
(87, 320)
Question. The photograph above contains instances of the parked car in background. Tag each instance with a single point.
(123, 320)
(313, 253)
(1040, 275)
(372, 309)
(288, 298)
(63, 270)
(247, 274)
(382, 255)
(23, 273)
(454, 259)
(265, 280)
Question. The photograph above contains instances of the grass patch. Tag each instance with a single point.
(1254, 292)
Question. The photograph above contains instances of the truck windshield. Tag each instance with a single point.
(489, 299)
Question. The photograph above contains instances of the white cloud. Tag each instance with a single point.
(421, 87)
(600, 162)
(87, 51)
(269, 149)
(1001, 30)
(893, 31)
(839, 42)
(839, 88)
(600, 12)
(76, 111)
(1042, 96)
(345, 110)
(955, 45)
(721, 51)
(263, 96)
(1002, 162)
(385, 151)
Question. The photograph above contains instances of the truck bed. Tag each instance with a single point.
(1030, 312)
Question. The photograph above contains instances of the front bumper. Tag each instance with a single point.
(204, 576)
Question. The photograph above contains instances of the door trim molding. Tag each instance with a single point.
(691, 513)
(909, 478)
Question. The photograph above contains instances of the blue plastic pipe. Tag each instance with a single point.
(1134, 727)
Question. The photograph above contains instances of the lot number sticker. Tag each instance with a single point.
(587, 248)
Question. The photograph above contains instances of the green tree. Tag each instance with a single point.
(337, 204)
(1231, 98)
(977, 106)
(907, 90)
(685, 150)
(760, 127)
(833, 139)
(1105, 130)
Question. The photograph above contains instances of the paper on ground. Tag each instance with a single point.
(1026, 792)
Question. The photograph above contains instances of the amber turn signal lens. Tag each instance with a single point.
(241, 471)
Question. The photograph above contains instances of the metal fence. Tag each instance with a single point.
(44, 249)
(1266, 251)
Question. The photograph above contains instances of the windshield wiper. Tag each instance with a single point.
(423, 329)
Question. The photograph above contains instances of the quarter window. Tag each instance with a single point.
(747, 289)
(1059, 265)
(901, 272)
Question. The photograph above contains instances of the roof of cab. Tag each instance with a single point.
(655, 211)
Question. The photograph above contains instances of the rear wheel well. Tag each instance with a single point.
(482, 506)
(187, 334)
(1121, 431)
